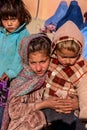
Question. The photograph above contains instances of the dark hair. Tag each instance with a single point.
(85, 16)
(14, 8)
(40, 44)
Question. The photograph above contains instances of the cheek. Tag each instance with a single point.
(16, 25)
(46, 65)
(4, 24)
(73, 62)
(32, 67)
(61, 60)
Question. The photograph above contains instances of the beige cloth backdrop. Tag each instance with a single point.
(48, 7)
(45, 10)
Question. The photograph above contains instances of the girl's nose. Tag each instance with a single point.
(38, 67)
(9, 22)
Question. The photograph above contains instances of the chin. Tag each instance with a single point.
(41, 74)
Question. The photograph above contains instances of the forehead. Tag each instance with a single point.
(66, 53)
(37, 56)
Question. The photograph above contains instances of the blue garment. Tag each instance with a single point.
(83, 25)
(73, 13)
(1, 115)
(10, 61)
(84, 32)
(59, 14)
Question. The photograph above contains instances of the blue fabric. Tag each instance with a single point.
(1, 115)
(83, 25)
(74, 14)
(10, 61)
(84, 32)
(76, 125)
(60, 12)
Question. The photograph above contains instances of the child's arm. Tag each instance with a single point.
(16, 65)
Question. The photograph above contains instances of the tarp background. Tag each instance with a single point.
(48, 7)
(43, 9)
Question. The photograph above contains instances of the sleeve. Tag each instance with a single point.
(82, 94)
(20, 109)
(16, 66)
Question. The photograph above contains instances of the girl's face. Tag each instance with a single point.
(66, 57)
(39, 62)
(10, 23)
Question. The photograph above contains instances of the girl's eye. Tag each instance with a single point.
(32, 63)
(42, 61)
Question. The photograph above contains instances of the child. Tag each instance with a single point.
(67, 75)
(13, 20)
(26, 90)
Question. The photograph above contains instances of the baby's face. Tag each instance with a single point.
(66, 57)
(10, 23)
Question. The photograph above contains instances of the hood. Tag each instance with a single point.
(23, 51)
(69, 30)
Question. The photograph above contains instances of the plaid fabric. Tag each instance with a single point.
(62, 81)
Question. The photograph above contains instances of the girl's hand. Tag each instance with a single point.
(59, 105)
(68, 105)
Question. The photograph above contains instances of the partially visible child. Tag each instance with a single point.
(67, 75)
(51, 23)
(13, 20)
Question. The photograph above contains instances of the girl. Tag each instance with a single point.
(13, 20)
(25, 92)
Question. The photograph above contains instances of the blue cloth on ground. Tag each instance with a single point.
(59, 14)
(73, 13)
(84, 32)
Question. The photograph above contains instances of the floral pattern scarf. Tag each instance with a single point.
(27, 81)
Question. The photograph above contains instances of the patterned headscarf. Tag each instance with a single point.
(27, 81)
(62, 80)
